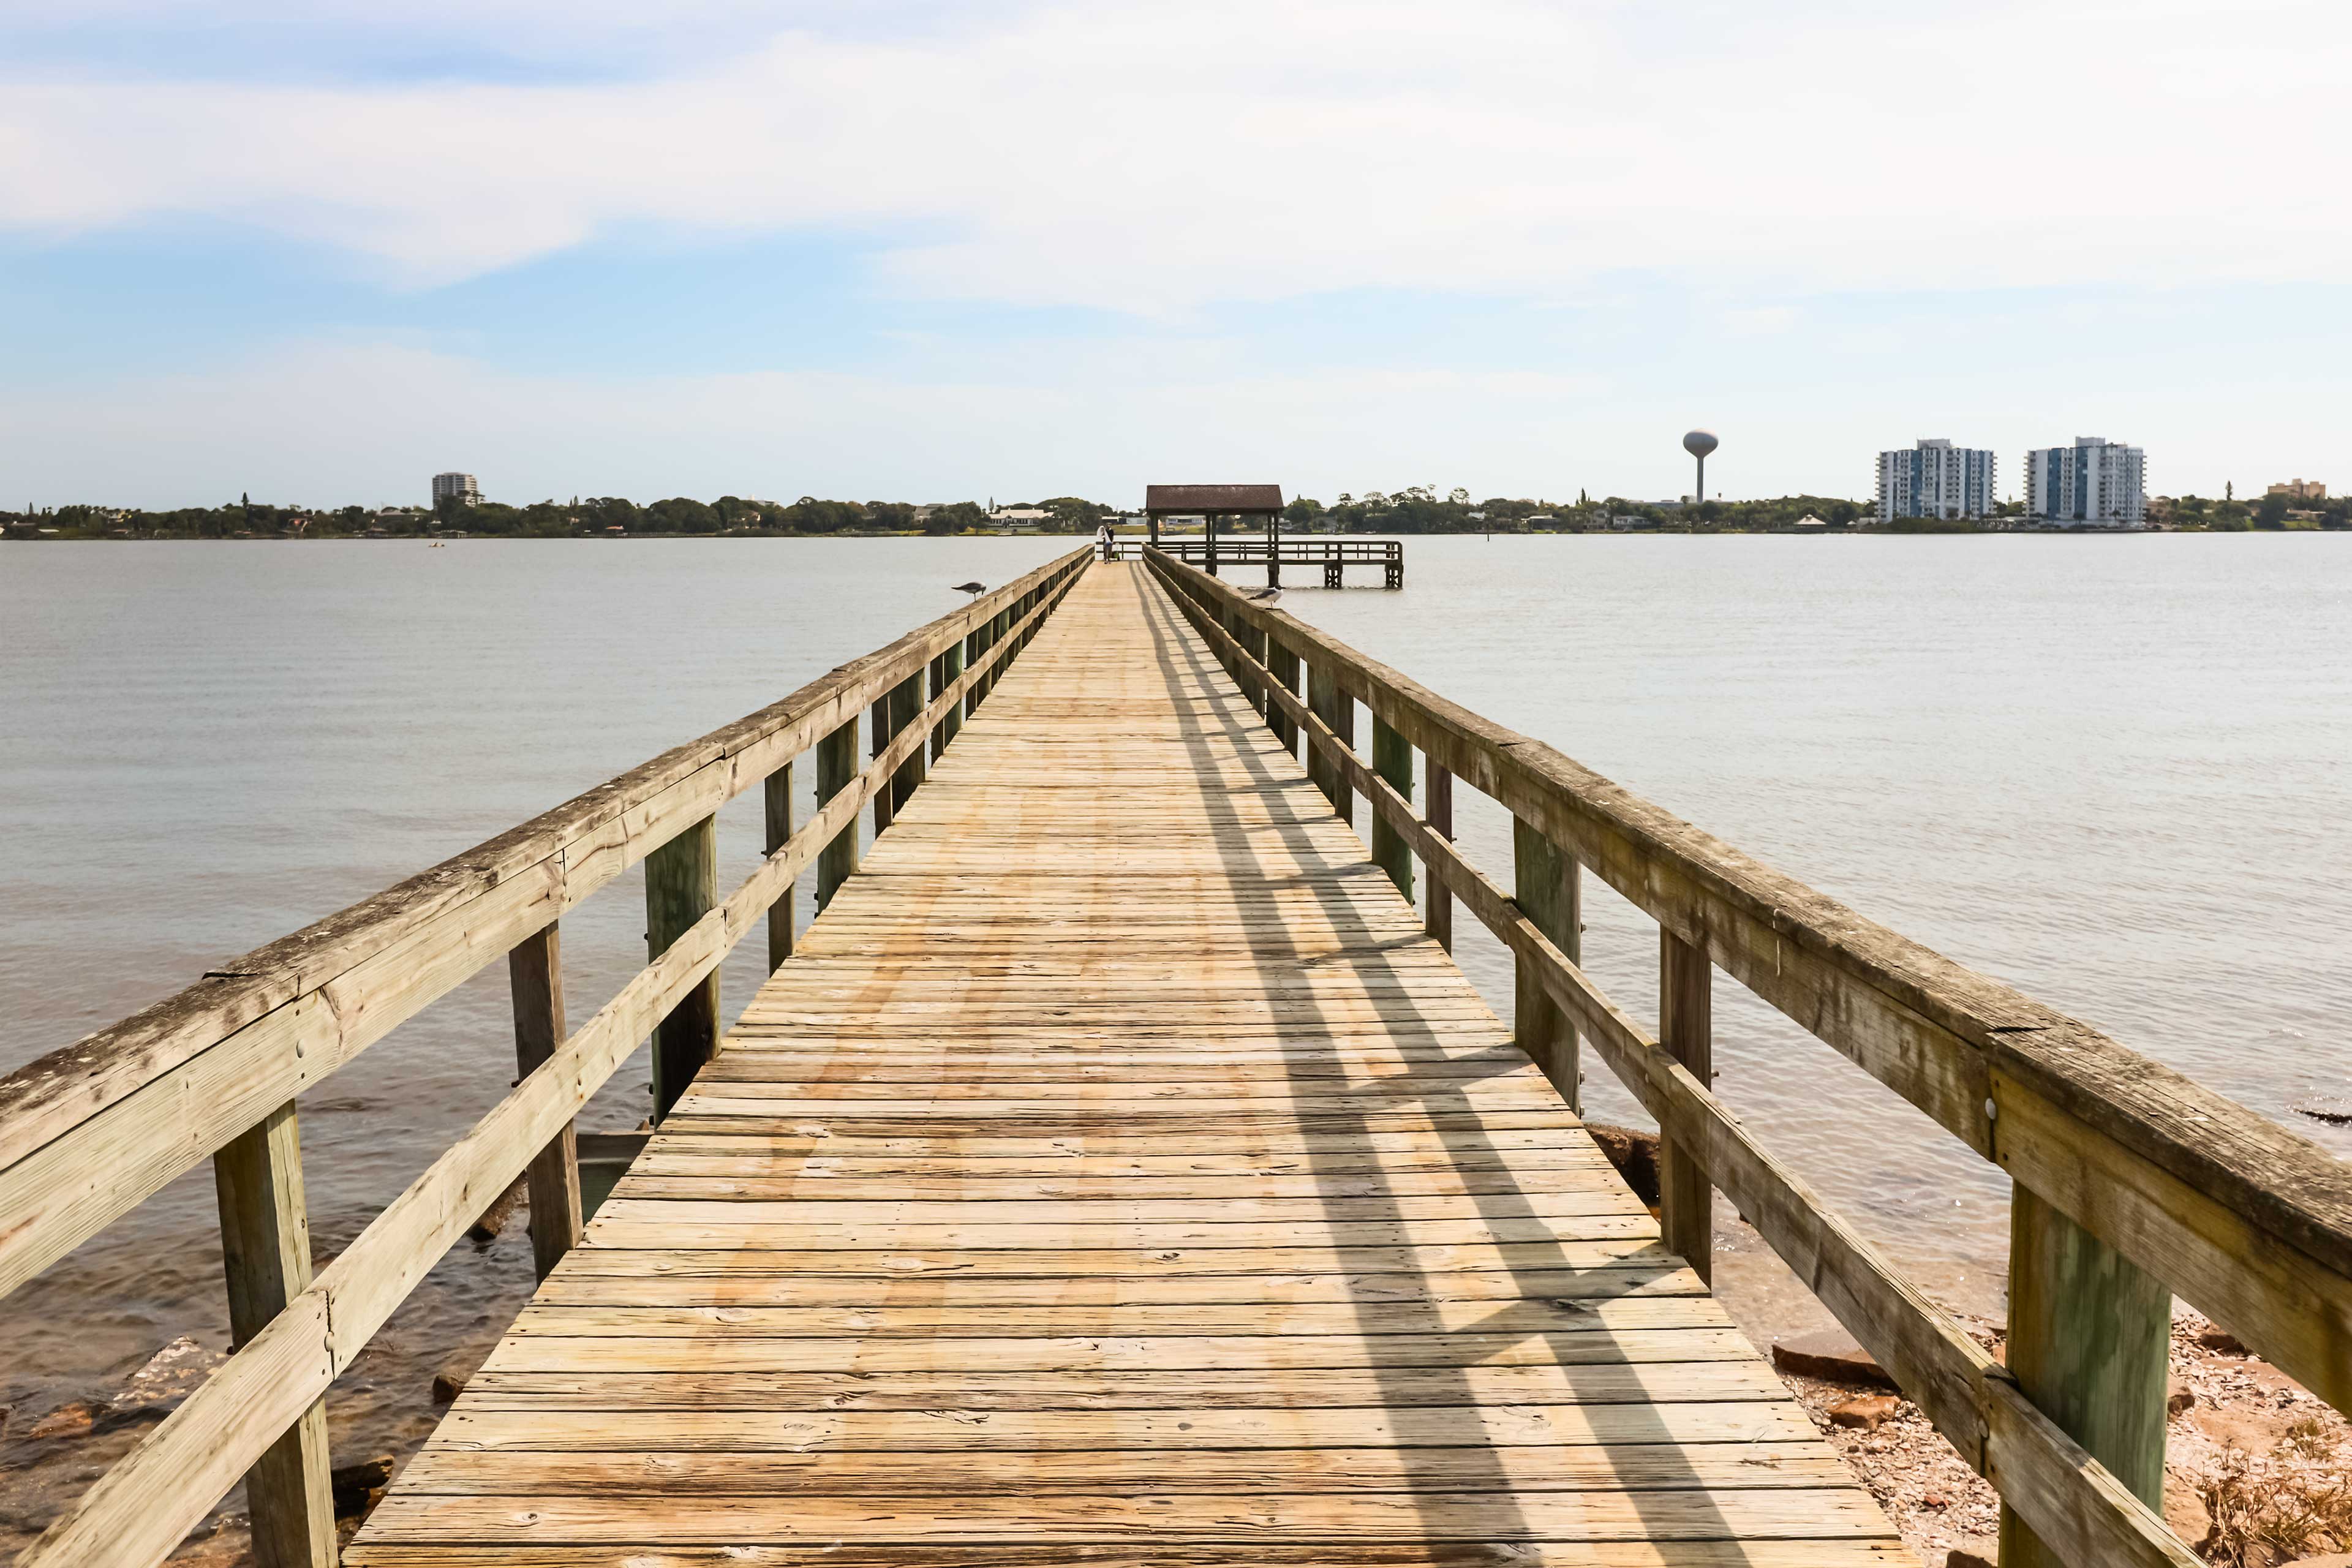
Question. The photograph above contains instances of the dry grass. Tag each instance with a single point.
(2265, 1514)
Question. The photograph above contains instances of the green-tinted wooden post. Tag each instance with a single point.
(984, 637)
(946, 671)
(836, 770)
(1392, 760)
(1549, 894)
(535, 977)
(906, 708)
(1685, 1028)
(778, 794)
(1437, 919)
(973, 646)
(265, 1248)
(2089, 1333)
(880, 725)
(681, 886)
(1284, 664)
(1336, 710)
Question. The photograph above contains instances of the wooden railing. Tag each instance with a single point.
(2130, 1182)
(1296, 549)
(88, 1131)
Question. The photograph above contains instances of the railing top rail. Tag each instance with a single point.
(324, 992)
(2285, 1184)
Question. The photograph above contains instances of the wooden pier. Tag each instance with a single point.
(1119, 1172)
(1330, 554)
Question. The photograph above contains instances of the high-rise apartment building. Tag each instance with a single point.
(1934, 478)
(458, 488)
(2094, 483)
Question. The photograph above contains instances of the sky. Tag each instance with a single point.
(317, 250)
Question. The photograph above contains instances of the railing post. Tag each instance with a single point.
(2089, 1334)
(945, 671)
(1283, 664)
(1438, 919)
(836, 767)
(1392, 760)
(1685, 1029)
(1253, 642)
(265, 1247)
(535, 976)
(1548, 893)
(1336, 710)
(681, 886)
(905, 706)
(880, 725)
(973, 646)
(778, 793)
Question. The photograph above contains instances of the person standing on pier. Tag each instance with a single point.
(1102, 540)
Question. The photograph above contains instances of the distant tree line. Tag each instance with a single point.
(2231, 515)
(1417, 508)
(577, 518)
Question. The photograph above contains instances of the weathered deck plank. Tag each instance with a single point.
(1117, 1173)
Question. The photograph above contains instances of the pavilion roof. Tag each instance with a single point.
(1226, 498)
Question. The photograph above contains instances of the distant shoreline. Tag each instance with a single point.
(20, 535)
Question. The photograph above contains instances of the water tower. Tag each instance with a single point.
(1698, 444)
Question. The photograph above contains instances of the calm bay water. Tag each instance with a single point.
(2110, 770)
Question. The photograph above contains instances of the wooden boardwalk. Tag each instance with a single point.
(1117, 1174)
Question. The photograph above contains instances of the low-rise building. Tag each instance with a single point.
(2094, 483)
(1934, 478)
(2300, 490)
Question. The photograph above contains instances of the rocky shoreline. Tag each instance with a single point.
(2258, 1470)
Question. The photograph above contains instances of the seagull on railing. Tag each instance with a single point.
(971, 588)
(1264, 597)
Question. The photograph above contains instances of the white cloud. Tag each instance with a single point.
(1156, 159)
(330, 423)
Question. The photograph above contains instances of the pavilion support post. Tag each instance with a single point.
(1209, 542)
(1685, 1028)
(681, 886)
(1549, 892)
(1283, 664)
(1392, 760)
(836, 768)
(2089, 1333)
(265, 1247)
(1437, 919)
(551, 1179)
(777, 795)
(1273, 550)
(1327, 702)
